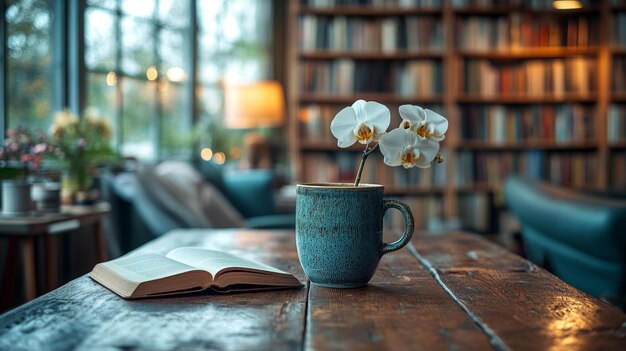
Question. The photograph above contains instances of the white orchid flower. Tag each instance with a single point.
(403, 147)
(427, 124)
(363, 122)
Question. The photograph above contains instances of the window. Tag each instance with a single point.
(150, 69)
(233, 45)
(29, 63)
(139, 71)
(135, 58)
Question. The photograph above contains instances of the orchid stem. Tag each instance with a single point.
(364, 156)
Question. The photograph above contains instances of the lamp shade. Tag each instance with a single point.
(253, 105)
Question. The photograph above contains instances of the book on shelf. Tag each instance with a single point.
(374, 3)
(424, 208)
(346, 76)
(475, 212)
(185, 270)
(499, 124)
(525, 31)
(618, 29)
(616, 123)
(372, 35)
(618, 170)
(535, 77)
(515, 4)
(618, 74)
(568, 169)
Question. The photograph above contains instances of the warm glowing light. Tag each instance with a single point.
(235, 153)
(566, 4)
(176, 74)
(152, 73)
(206, 154)
(111, 79)
(219, 158)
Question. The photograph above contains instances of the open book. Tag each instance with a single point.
(187, 269)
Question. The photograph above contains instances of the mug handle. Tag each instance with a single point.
(410, 225)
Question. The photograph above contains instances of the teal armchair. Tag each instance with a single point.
(578, 236)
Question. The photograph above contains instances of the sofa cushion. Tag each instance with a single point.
(182, 192)
(251, 191)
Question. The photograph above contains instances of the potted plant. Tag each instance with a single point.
(79, 145)
(21, 155)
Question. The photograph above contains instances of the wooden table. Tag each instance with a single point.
(455, 291)
(24, 231)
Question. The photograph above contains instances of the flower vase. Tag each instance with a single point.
(16, 198)
(69, 188)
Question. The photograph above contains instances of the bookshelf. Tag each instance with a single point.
(616, 115)
(527, 89)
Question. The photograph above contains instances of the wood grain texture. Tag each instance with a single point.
(401, 308)
(84, 315)
(481, 298)
(522, 305)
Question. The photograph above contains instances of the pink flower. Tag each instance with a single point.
(39, 148)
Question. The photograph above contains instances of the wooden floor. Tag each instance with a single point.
(454, 292)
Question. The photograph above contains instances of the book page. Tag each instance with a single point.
(142, 268)
(215, 262)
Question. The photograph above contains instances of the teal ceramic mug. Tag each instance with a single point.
(339, 232)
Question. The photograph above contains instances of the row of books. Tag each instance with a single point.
(531, 77)
(344, 76)
(361, 34)
(618, 74)
(507, 124)
(425, 209)
(342, 167)
(618, 170)
(375, 3)
(314, 120)
(529, 4)
(523, 30)
(568, 169)
(616, 123)
(618, 31)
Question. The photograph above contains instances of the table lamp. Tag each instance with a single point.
(256, 106)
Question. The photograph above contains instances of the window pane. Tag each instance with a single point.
(174, 13)
(101, 96)
(99, 39)
(137, 111)
(137, 46)
(108, 4)
(29, 73)
(172, 50)
(176, 126)
(144, 8)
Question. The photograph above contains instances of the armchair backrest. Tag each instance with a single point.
(578, 236)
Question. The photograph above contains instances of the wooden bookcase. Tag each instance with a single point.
(527, 90)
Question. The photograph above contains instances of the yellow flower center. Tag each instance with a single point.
(408, 158)
(406, 124)
(423, 131)
(364, 134)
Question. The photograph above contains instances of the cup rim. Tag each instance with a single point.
(340, 186)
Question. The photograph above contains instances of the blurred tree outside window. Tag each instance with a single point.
(138, 73)
(29, 63)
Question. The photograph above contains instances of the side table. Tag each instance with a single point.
(24, 231)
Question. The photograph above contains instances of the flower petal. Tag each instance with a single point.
(378, 115)
(342, 127)
(393, 143)
(359, 110)
(412, 113)
(428, 151)
(439, 121)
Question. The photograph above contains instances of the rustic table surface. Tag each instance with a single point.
(454, 291)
